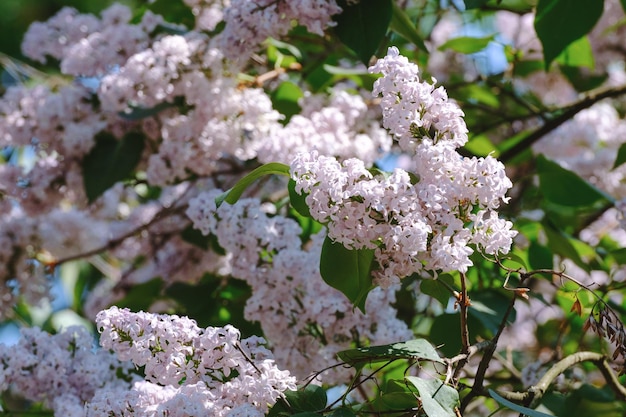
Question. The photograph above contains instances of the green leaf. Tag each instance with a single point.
(623, 4)
(298, 201)
(436, 289)
(489, 307)
(342, 412)
(522, 410)
(308, 400)
(475, 4)
(403, 26)
(577, 54)
(362, 26)
(438, 399)
(467, 44)
(232, 196)
(285, 99)
(347, 270)
(418, 349)
(140, 297)
(563, 187)
(539, 256)
(621, 154)
(110, 161)
(561, 244)
(558, 23)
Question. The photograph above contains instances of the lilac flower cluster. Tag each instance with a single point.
(306, 320)
(63, 371)
(426, 220)
(189, 370)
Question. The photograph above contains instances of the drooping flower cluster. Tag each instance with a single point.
(427, 220)
(63, 371)
(306, 320)
(202, 371)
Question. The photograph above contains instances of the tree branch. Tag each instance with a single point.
(533, 395)
(567, 114)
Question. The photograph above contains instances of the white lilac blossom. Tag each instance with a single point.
(248, 23)
(86, 45)
(211, 371)
(304, 319)
(427, 220)
(63, 371)
(344, 127)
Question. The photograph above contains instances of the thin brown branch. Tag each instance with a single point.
(533, 395)
(569, 112)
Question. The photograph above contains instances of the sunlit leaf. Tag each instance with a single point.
(418, 349)
(467, 44)
(232, 196)
(558, 23)
(402, 25)
(438, 399)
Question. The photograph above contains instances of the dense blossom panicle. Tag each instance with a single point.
(63, 370)
(414, 110)
(305, 319)
(210, 369)
(343, 127)
(248, 23)
(429, 220)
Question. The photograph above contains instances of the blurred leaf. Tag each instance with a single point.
(141, 296)
(590, 401)
(467, 44)
(438, 290)
(489, 307)
(397, 395)
(232, 196)
(475, 4)
(138, 113)
(523, 410)
(561, 244)
(362, 26)
(558, 23)
(577, 54)
(342, 412)
(540, 256)
(195, 237)
(110, 161)
(402, 25)
(557, 185)
(173, 11)
(285, 99)
(438, 399)
(480, 145)
(418, 349)
(581, 79)
(621, 154)
(347, 270)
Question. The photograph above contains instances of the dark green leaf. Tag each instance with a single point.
(475, 4)
(561, 244)
(285, 99)
(195, 237)
(173, 11)
(362, 26)
(110, 161)
(438, 399)
(232, 196)
(138, 113)
(140, 297)
(489, 307)
(558, 23)
(342, 412)
(311, 398)
(563, 187)
(298, 201)
(467, 44)
(418, 349)
(347, 270)
(619, 255)
(539, 256)
(621, 154)
(402, 25)
(438, 290)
